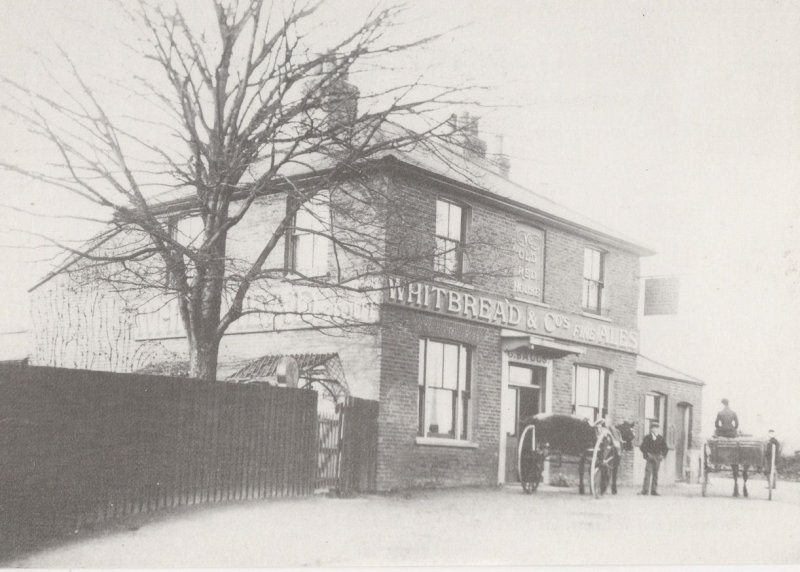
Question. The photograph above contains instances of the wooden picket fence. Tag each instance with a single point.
(78, 447)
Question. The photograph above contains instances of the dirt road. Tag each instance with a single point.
(459, 527)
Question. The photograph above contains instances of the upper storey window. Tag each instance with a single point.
(590, 393)
(309, 240)
(593, 271)
(450, 230)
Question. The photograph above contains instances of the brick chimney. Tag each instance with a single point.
(340, 100)
(501, 159)
(474, 146)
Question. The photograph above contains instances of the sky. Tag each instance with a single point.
(676, 123)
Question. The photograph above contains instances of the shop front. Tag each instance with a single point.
(508, 360)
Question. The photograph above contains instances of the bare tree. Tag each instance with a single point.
(252, 109)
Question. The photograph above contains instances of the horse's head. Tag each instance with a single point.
(627, 434)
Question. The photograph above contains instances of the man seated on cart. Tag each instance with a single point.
(727, 422)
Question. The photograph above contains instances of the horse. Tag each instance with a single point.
(735, 469)
(570, 435)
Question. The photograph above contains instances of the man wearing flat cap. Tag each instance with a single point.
(654, 449)
(727, 422)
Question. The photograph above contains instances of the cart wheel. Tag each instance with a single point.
(527, 475)
(705, 468)
(773, 472)
(602, 454)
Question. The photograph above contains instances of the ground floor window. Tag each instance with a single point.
(590, 395)
(655, 411)
(444, 389)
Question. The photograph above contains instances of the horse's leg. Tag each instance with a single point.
(581, 465)
(744, 480)
(614, 467)
(735, 480)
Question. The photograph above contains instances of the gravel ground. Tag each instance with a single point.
(457, 527)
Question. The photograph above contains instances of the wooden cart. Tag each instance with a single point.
(723, 452)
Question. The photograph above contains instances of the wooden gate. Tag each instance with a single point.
(329, 451)
(348, 448)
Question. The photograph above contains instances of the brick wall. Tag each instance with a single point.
(489, 261)
(677, 392)
(490, 258)
(564, 274)
(401, 461)
(82, 326)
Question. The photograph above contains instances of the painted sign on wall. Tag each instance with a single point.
(512, 314)
(528, 279)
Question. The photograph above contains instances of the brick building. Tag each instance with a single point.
(524, 307)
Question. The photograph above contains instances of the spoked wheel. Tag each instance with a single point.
(772, 478)
(528, 461)
(705, 468)
(603, 455)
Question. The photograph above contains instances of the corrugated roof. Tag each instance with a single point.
(647, 366)
(307, 363)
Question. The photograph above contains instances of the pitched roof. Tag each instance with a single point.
(481, 175)
(647, 366)
(450, 164)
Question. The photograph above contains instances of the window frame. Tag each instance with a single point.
(661, 417)
(295, 234)
(173, 228)
(593, 304)
(461, 405)
(457, 250)
(603, 398)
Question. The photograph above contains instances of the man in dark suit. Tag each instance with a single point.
(727, 422)
(654, 449)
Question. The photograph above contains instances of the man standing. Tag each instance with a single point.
(654, 449)
(777, 447)
(727, 422)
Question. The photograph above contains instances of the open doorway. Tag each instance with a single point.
(524, 397)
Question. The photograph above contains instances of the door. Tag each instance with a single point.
(521, 402)
(683, 428)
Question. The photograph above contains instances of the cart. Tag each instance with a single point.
(747, 452)
(532, 454)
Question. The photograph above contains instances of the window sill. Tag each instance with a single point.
(597, 317)
(312, 278)
(531, 302)
(437, 442)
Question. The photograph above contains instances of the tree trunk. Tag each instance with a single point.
(203, 356)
